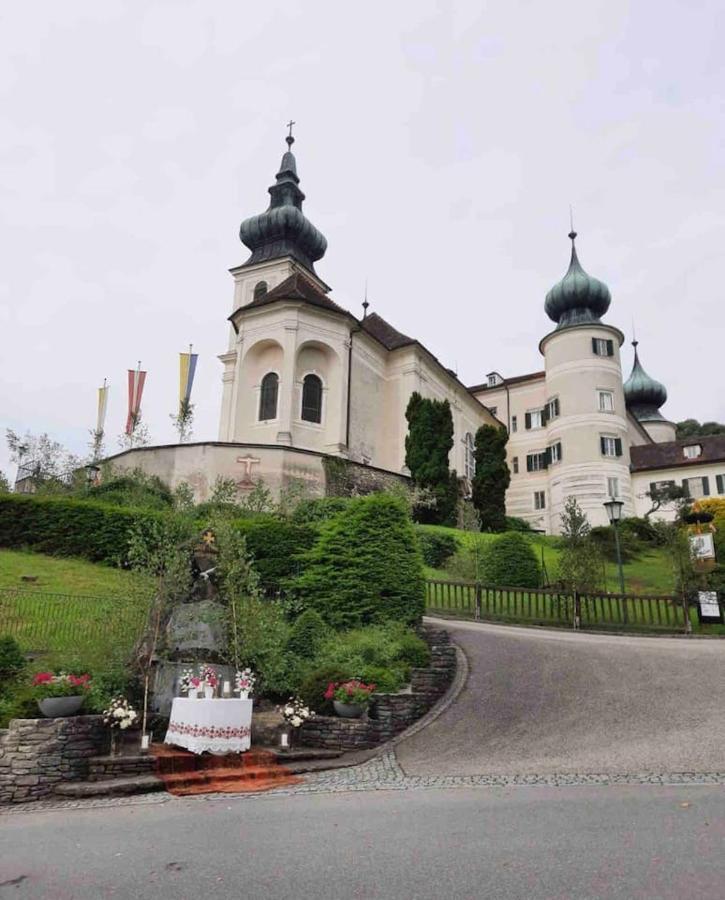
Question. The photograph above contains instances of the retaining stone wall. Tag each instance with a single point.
(389, 714)
(37, 754)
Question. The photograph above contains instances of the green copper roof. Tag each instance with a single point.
(643, 395)
(283, 230)
(578, 298)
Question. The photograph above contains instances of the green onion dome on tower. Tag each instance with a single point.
(283, 230)
(578, 298)
(642, 394)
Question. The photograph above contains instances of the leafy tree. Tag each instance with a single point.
(692, 428)
(139, 436)
(427, 448)
(580, 563)
(132, 488)
(4, 483)
(366, 566)
(183, 421)
(492, 477)
(665, 495)
(47, 462)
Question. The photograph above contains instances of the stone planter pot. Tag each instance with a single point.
(348, 710)
(57, 707)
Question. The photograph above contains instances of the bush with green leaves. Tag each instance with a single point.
(133, 489)
(12, 660)
(630, 547)
(264, 635)
(313, 685)
(514, 523)
(509, 560)
(436, 547)
(63, 527)
(319, 509)
(427, 449)
(641, 530)
(365, 566)
(492, 477)
(309, 632)
(276, 547)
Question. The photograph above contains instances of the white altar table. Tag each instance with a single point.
(219, 725)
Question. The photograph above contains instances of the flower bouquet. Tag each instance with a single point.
(350, 698)
(190, 683)
(119, 716)
(60, 694)
(209, 681)
(295, 713)
(244, 683)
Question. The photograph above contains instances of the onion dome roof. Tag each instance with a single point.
(642, 394)
(283, 230)
(578, 298)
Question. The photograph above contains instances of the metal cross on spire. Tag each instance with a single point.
(290, 139)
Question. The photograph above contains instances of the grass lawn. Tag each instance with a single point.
(75, 611)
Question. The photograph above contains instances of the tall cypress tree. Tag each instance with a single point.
(492, 477)
(427, 446)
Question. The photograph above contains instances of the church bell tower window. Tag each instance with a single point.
(260, 289)
(268, 397)
(312, 399)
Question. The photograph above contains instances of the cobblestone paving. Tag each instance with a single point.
(385, 774)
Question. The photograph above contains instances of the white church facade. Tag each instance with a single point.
(306, 384)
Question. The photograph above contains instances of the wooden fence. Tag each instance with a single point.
(469, 599)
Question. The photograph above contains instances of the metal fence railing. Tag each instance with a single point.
(469, 599)
(91, 629)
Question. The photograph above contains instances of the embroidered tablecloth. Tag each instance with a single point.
(220, 725)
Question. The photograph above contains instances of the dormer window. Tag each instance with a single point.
(494, 379)
(692, 451)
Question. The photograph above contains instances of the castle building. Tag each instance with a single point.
(312, 393)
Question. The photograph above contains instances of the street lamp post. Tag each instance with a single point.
(614, 512)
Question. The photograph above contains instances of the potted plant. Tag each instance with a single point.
(119, 716)
(350, 698)
(60, 694)
(244, 683)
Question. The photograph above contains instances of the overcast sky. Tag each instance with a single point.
(439, 145)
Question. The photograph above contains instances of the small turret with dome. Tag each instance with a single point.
(643, 395)
(578, 299)
(283, 230)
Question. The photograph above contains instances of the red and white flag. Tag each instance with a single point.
(136, 381)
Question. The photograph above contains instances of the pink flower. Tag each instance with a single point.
(43, 678)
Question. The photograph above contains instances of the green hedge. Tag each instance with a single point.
(436, 547)
(509, 561)
(276, 547)
(61, 527)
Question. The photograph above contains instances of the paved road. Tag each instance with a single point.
(545, 702)
(501, 843)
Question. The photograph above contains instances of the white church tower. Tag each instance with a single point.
(585, 414)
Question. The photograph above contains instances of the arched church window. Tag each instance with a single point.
(312, 399)
(470, 458)
(268, 397)
(260, 289)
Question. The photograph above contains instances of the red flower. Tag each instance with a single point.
(43, 678)
(80, 680)
(330, 692)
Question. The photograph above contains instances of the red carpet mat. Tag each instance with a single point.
(186, 773)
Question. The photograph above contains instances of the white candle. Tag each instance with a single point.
(284, 740)
(227, 689)
(145, 741)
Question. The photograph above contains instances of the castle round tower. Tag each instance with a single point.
(644, 396)
(585, 414)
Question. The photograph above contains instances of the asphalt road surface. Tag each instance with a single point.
(515, 842)
(543, 701)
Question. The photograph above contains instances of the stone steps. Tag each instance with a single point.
(103, 768)
(111, 787)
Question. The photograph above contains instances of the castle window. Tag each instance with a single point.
(602, 347)
(260, 289)
(515, 462)
(720, 483)
(692, 451)
(268, 397)
(606, 401)
(537, 462)
(551, 410)
(539, 499)
(534, 419)
(514, 423)
(555, 453)
(470, 458)
(312, 399)
(493, 410)
(696, 487)
(610, 446)
(613, 487)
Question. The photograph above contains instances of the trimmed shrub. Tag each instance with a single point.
(12, 660)
(510, 561)
(366, 566)
(63, 527)
(414, 650)
(276, 547)
(319, 509)
(642, 530)
(136, 490)
(313, 686)
(513, 523)
(435, 547)
(309, 633)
